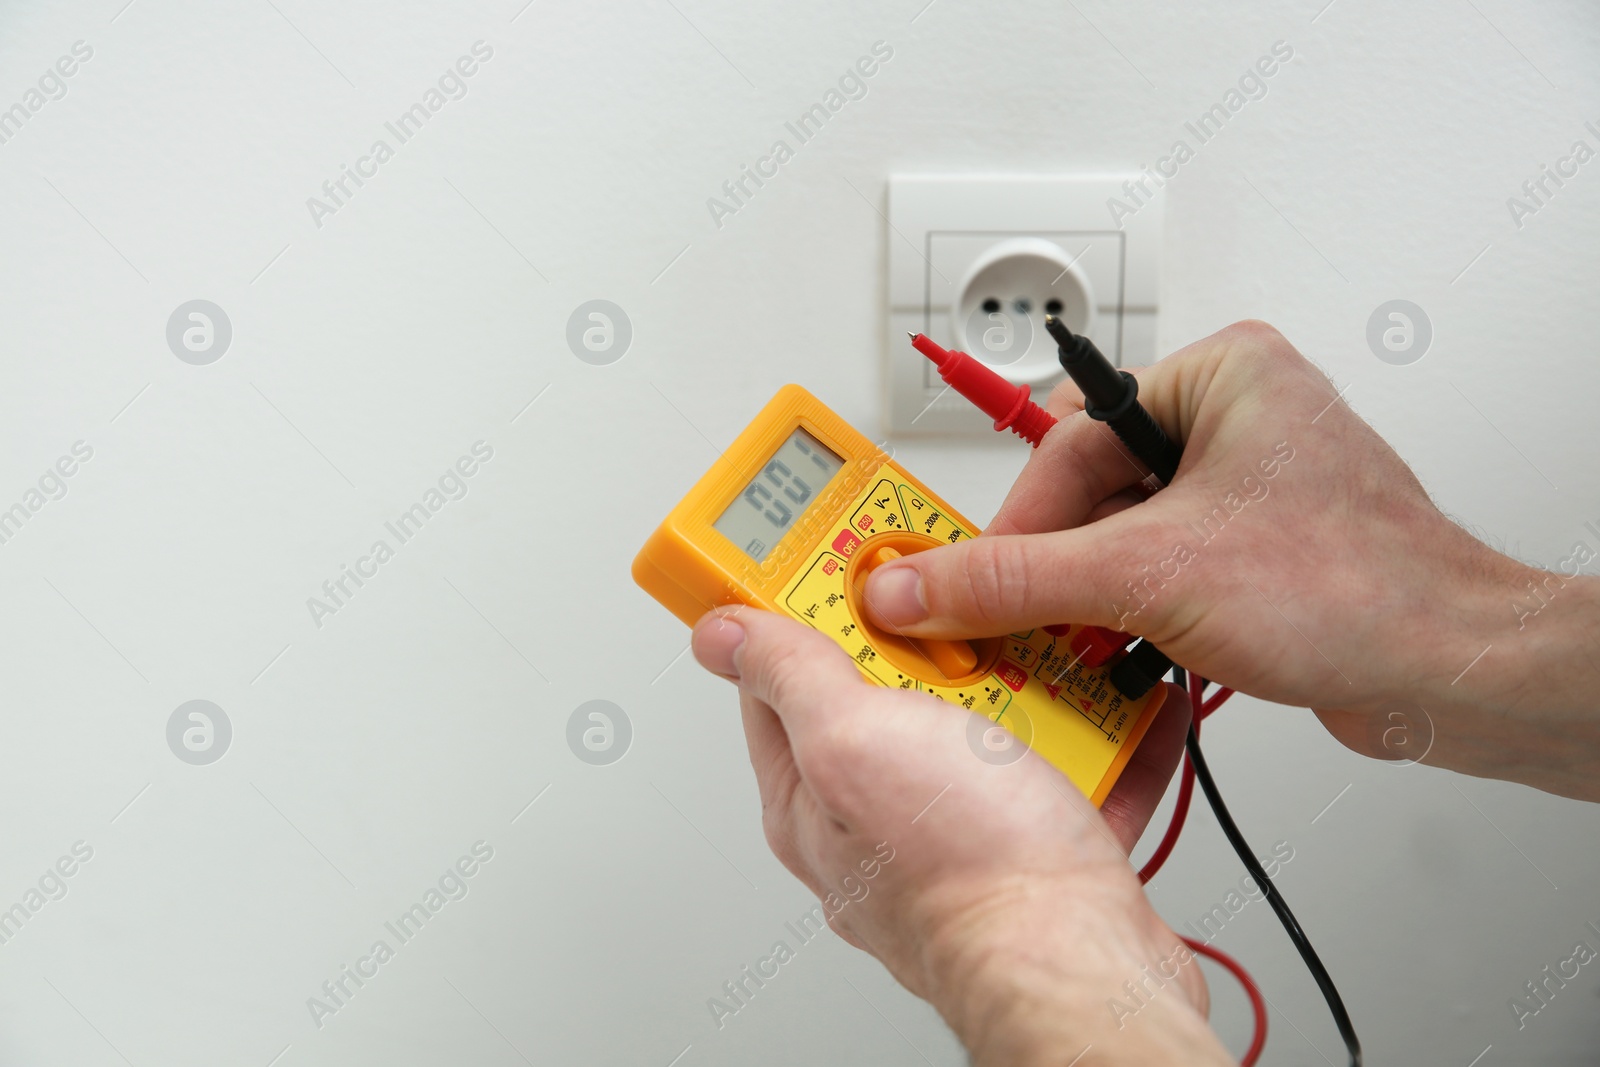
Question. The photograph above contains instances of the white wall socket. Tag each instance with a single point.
(976, 262)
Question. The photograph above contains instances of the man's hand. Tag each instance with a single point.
(998, 893)
(1294, 557)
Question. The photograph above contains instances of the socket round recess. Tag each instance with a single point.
(998, 314)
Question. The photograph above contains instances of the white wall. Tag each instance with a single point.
(420, 319)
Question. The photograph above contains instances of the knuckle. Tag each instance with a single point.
(842, 742)
(779, 671)
(1258, 344)
(841, 757)
(1260, 333)
(994, 584)
(777, 827)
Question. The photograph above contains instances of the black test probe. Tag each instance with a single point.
(1111, 396)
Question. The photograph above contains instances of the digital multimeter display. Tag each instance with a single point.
(772, 502)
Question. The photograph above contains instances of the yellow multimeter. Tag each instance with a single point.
(792, 519)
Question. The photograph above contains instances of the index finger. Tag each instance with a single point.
(1079, 463)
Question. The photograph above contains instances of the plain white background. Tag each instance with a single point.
(372, 351)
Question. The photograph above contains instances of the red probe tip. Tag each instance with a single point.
(1009, 404)
(927, 346)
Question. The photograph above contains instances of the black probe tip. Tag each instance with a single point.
(1059, 331)
(1104, 387)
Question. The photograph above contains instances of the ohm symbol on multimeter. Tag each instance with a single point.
(797, 514)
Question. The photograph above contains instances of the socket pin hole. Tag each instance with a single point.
(1053, 306)
(991, 305)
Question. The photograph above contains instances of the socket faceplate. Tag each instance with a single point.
(953, 239)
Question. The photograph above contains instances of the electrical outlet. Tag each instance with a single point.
(977, 262)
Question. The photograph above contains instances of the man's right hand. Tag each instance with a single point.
(1294, 557)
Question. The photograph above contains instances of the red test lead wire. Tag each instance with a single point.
(1010, 405)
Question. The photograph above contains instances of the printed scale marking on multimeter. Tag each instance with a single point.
(796, 514)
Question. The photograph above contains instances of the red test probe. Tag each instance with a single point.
(1009, 405)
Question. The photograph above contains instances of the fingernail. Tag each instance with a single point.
(717, 641)
(894, 595)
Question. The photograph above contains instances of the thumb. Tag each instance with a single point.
(999, 585)
(797, 671)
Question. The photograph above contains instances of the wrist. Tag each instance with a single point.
(1513, 689)
(1045, 973)
(1465, 617)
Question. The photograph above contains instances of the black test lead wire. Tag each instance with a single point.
(1112, 396)
(1291, 925)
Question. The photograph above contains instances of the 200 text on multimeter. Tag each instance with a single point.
(793, 518)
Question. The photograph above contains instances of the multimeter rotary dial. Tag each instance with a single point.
(933, 661)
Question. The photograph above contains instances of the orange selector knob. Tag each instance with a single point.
(932, 660)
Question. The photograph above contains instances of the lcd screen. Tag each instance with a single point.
(776, 498)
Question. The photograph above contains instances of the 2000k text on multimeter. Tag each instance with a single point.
(795, 516)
